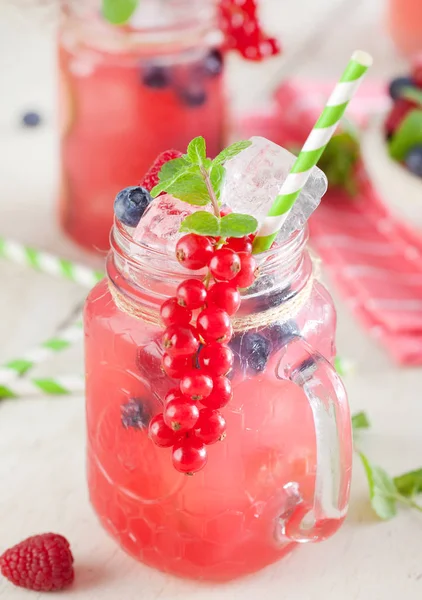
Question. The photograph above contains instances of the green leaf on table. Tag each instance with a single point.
(407, 135)
(172, 168)
(412, 93)
(189, 187)
(409, 483)
(340, 159)
(217, 174)
(197, 152)
(237, 225)
(382, 491)
(118, 12)
(360, 421)
(231, 151)
(202, 223)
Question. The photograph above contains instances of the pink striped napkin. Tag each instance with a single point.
(375, 261)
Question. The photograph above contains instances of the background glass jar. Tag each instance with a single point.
(128, 93)
(282, 474)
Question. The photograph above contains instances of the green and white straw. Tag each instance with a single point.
(48, 263)
(49, 386)
(313, 149)
(19, 366)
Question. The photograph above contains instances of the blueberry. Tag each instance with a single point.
(155, 76)
(396, 86)
(252, 350)
(280, 334)
(193, 96)
(31, 119)
(135, 414)
(414, 160)
(130, 205)
(267, 294)
(213, 63)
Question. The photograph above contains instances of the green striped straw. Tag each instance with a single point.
(48, 263)
(52, 386)
(19, 366)
(312, 150)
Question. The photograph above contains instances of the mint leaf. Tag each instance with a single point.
(217, 175)
(160, 187)
(413, 94)
(170, 169)
(231, 151)
(407, 135)
(202, 223)
(409, 483)
(382, 491)
(196, 152)
(166, 184)
(119, 11)
(189, 188)
(360, 421)
(237, 225)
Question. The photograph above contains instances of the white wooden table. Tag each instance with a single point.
(42, 484)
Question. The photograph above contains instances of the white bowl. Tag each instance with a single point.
(400, 190)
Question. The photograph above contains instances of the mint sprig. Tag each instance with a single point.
(197, 180)
(387, 492)
(118, 12)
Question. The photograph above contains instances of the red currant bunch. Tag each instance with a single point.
(198, 329)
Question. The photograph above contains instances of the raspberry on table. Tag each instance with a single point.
(43, 563)
(150, 179)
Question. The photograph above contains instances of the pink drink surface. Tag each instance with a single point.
(222, 522)
(114, 126)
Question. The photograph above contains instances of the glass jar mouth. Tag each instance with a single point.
(137, 254)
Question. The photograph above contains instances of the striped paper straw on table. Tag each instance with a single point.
(312, 149)
(48, 386)
(61, 341)
(48, 263)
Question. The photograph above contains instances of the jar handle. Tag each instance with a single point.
(327, 398)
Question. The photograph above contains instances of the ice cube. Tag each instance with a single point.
(159, 226)
(254, 177)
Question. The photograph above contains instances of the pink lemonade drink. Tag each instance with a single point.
(405, 25)
(127, 94)
(282, 474)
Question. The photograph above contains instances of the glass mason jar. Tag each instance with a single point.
(405, 25)
(128, 93)
(281, 476)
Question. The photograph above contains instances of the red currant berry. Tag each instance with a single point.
(211, 426)
(181, 415)
(196, 385)
(194, 251)
(180, 341)
(248, 272)
(189, 455)
(225, 264)
(214, 325)
(216, 359)
(226, 210)
(242, 244)
(160, 433)
(173, 394)
(172, 313)
(221, 393)
(192, 294)
(176, 366)
(225, 296)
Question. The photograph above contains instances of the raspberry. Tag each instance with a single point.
(417, 70)
(150, 179)
(43, 563)
(240, 25)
